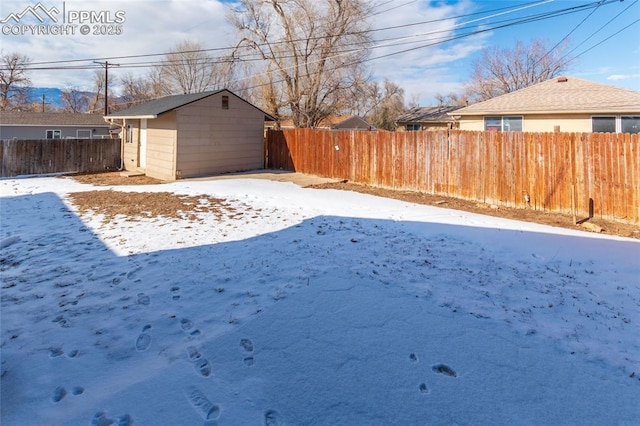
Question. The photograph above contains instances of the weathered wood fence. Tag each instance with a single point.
(586, 174)
(32, 157)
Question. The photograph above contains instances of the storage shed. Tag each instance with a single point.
(192, 135)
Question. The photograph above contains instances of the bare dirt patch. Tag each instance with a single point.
(113, 179)
(111, 203)
(526, 215)
(138, 205)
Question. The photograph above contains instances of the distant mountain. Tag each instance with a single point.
(52, 96)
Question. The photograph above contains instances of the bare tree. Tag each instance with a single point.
(451, 99)
(14, 81)
(135, 90)
(74, 100)
(388, 105)
(188, 68)
(96, 102)
(499, 71)
(311, 53)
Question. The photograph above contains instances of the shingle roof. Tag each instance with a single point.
(427, 115)
(153, 108)
(560, 95)
(333, 122)
(158, 106)
(22, 118)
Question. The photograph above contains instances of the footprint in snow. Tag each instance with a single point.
(143, 299)
(424, 389)
(101, 419)
(175, 293)
(144, 339)
(186, 324)
(58, 394)
(202, 367)
(187, 327)
(444, 369)
(246, 346)
(193, 354)
(55, 352)
(271, 418)
(205, 408)
(413, 357)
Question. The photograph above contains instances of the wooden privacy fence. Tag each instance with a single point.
(32, 157)
(585, 174)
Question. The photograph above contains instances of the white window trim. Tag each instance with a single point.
(502, 117)
(53, 130)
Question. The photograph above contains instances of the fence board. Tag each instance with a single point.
(560, 172)
(33, 157)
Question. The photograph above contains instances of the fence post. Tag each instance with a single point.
(572, 161)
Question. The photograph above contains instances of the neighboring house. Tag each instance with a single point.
(192, 135)
(427, 118)
(563, 104)
(332, 122)
(51, 125)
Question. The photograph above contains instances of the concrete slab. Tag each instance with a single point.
(276, 175)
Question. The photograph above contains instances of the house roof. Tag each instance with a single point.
(560, 95)
(427, 115)
(155, 107)
(340, 121)
(66, 119)
(352, 122)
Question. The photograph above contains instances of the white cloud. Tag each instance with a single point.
(617, 77)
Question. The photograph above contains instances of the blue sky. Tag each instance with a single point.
(154, 26)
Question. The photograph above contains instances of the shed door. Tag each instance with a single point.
(143, 143)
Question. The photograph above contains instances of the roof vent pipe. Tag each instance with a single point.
(562, 79)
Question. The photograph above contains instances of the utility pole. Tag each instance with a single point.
(106, 64)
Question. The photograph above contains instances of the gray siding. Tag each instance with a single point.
(10, 131)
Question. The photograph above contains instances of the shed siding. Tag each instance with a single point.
(161, 147)
(215, 140)
(131, 145)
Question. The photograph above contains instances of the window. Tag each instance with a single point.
(129, 134)
(603, 124)
(413, 127)
(613, 124)
(225, 102)
(83, 134)
(503, 124)
(54, 134)
(630, 124)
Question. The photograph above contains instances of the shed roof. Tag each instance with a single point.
(427, 115)
(560, 95)
(67, 119)
(155, 107)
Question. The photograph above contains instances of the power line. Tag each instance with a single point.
(517, 7)
(106, 83)
(248, 58)
(598, 30)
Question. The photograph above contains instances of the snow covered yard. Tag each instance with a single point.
(300, 306)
